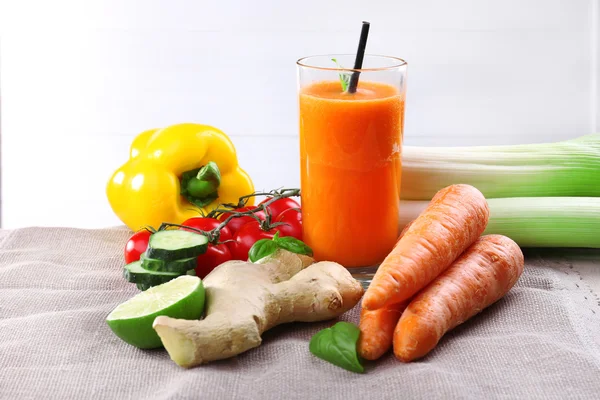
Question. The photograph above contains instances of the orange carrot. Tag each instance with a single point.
(377, 326)
(482, 275)
(377, 330)
(454, 219)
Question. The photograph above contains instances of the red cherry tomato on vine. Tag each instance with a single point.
(136, 245)
(293, 220)
(236, 223)
(207, 224)
(279, 206)
(216, 254)
(248, 234)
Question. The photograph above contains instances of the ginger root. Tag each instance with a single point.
(246, 299)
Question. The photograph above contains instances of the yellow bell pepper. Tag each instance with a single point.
(174, 172)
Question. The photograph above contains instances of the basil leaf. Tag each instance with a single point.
(262, 248)
(337, 345)
(294, 245)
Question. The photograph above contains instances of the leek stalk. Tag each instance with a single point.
(567, 168)
(535, 221)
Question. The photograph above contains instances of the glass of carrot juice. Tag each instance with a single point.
(350, 157)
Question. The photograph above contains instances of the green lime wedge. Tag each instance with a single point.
(182, 297)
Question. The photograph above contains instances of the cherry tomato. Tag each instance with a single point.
(236, 223)
(248, 235)
(216, 254)
(136, 245)
(293, 219)
(207, 224)
(279, 206)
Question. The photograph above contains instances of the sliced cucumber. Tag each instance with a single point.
(179, 266)
(134, 272)
(142, 286)
(174, 245)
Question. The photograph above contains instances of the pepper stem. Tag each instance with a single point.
(199, 186)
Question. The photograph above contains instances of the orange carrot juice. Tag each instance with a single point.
(350, 158)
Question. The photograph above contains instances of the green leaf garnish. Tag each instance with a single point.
(338, 346)
(292, 244)
(261, 249)
(265, 247)
(344, 76)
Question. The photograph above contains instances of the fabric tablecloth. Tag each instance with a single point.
(57, 285)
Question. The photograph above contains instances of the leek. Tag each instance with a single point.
(535, 221)
(567, 168)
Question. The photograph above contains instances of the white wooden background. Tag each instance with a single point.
(79, 79)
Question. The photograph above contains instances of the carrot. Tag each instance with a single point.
(377, 326)
(454, 219)
(482, 275)
(377, 330)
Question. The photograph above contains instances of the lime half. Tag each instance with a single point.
(182, 297)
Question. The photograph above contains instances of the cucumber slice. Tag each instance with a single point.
(179, 266)
(142, 286)
(134, 272)
(176, 245)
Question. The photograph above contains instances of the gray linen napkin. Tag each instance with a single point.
(57, 285)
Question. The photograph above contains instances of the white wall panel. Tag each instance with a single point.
(78, 79)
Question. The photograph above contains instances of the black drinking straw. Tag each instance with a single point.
(360, 55)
